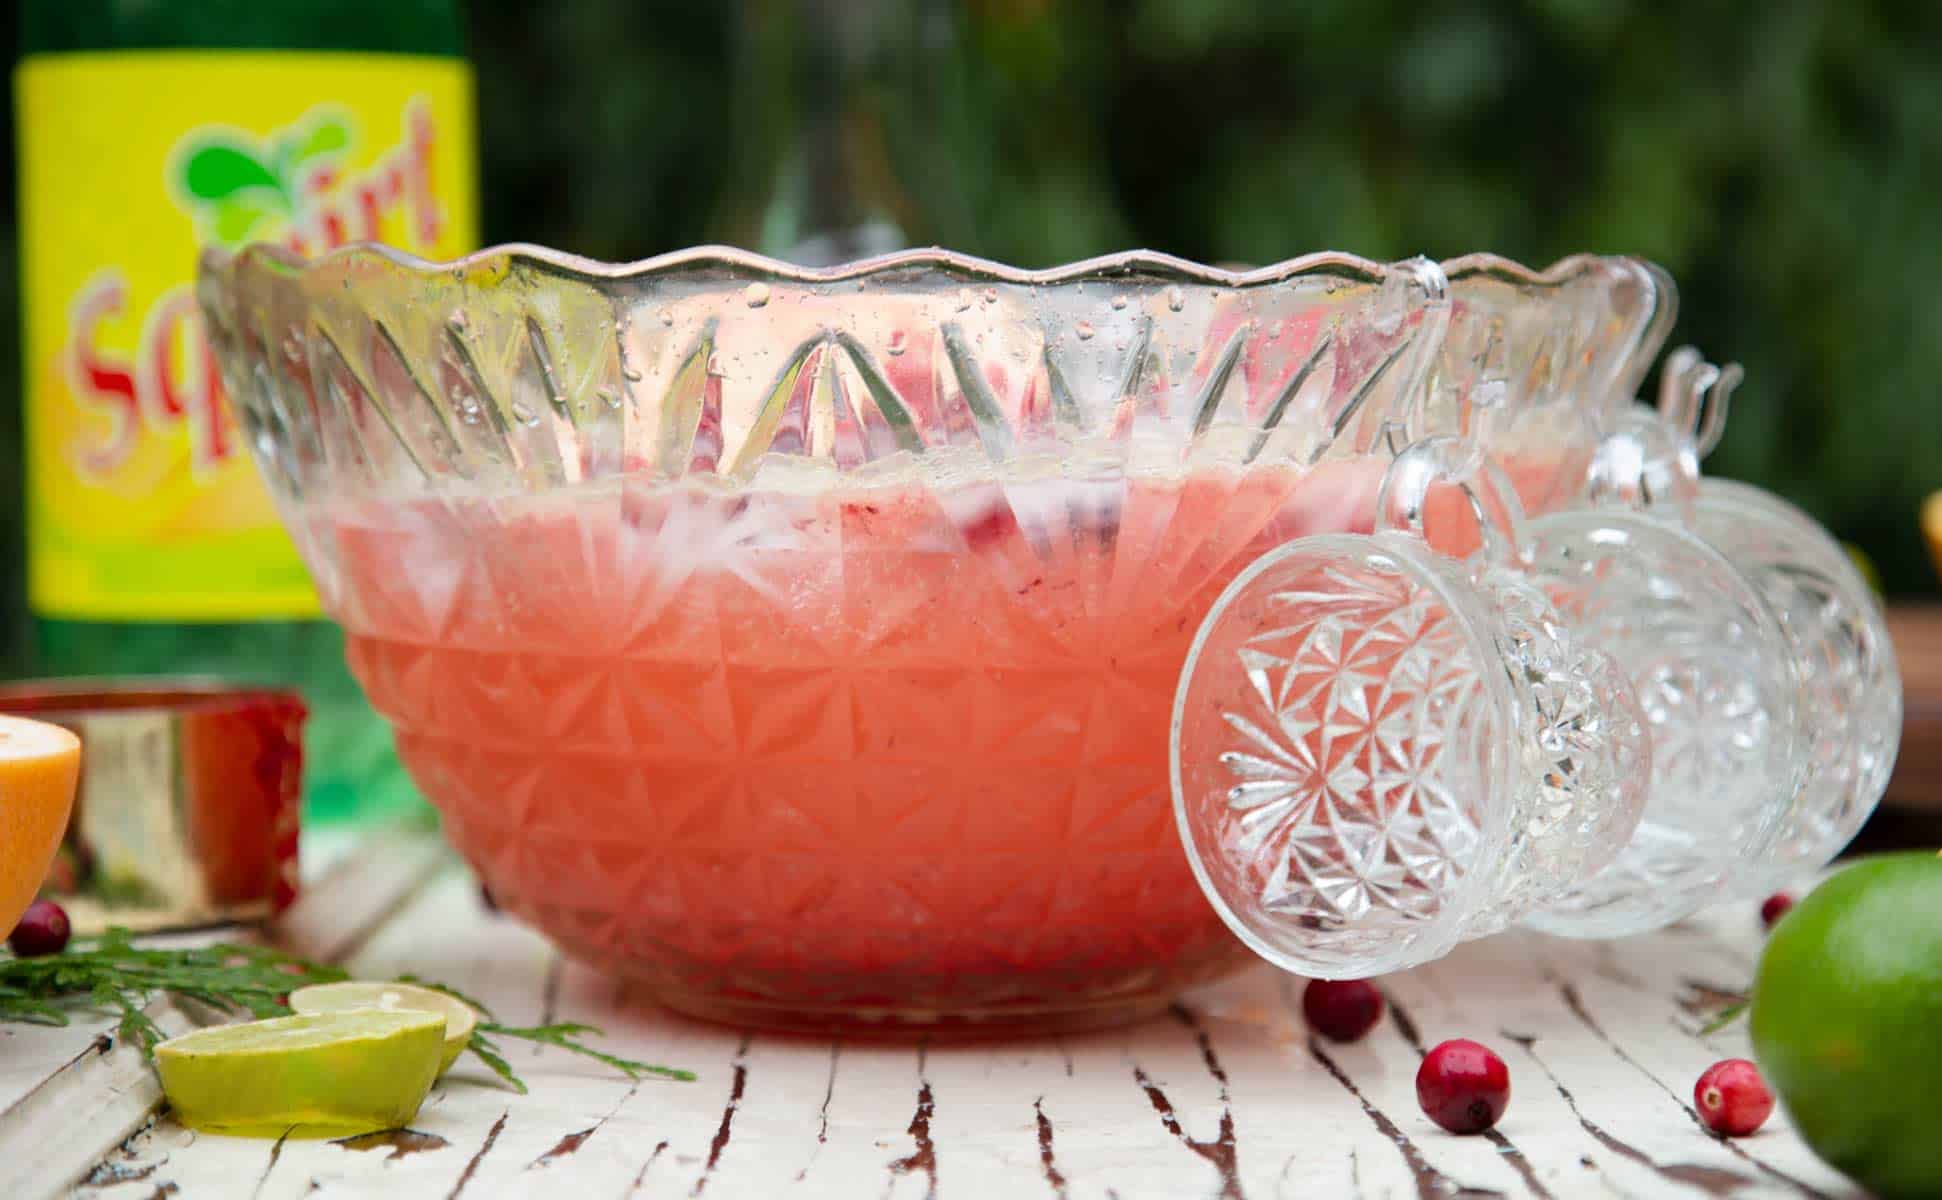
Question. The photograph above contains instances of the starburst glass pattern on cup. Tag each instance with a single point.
(1853, 688)
(1715, 678)
(1849, 717)
(1379, 751)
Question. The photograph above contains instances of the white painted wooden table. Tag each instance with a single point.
(1226, 1097)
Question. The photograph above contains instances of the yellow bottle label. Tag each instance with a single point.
(143, 503)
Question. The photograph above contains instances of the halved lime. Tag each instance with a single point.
(460, 1017)
(311, 1075)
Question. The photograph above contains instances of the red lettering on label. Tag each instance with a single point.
(172, 383)
(370, 210)
(417, 167)
(101, 384)
(335, 210)
(169, 398)
(165, 400)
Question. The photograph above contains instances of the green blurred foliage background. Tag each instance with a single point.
(1783, 160)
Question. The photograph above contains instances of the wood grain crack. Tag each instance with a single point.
(549, 996)
(108, 1174)
(1716, 1181)
(1047, 1161)
(1219, 1153)
(1186, 1016)
(1406, 1026)
(923, 1159)
(485, 1148)
(1227, 1161)
(1704, 1002)
(573, 1141)
(1431, 1184)
(727, 1127)
(1288, 1165)
(276, 1152)
(1569, 993)
(641, 1174)
(829, 1090)
(400, 1142)
(822, 1113)
(1605, 966)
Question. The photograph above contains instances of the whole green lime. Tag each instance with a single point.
(1847, 1021)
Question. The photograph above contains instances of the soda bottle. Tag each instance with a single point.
(145, 131)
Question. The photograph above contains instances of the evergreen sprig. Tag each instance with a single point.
(563, 1034)
(111, 974)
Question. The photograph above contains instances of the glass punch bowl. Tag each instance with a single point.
(802, 642)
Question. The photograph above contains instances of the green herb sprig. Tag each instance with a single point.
(563, 1034)
(112, 974)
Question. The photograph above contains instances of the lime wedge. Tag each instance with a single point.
(460, 1017)
(311, 1075)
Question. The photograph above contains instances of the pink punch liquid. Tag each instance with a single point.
(867, 753)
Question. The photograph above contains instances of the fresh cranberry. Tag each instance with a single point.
(1463, 1086)
(1775, 907)
(1342, 1010)
(1732, 1098)
(43, 929)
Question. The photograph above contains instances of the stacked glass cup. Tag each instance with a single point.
(1668, 692)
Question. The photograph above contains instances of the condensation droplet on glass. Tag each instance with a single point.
(756, 294)
(458, 322)
(1083, 329)
(1119, 302)
(1176, 299)
(608, 396)
(667, 317)
(524, 415)
(629, 373)
(896, 346)
(965, 299)
(991, 295)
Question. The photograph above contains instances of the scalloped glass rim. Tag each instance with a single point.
(1147, 263)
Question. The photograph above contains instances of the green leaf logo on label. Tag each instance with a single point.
(240, 187)
(218, 171)
(327, 136)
